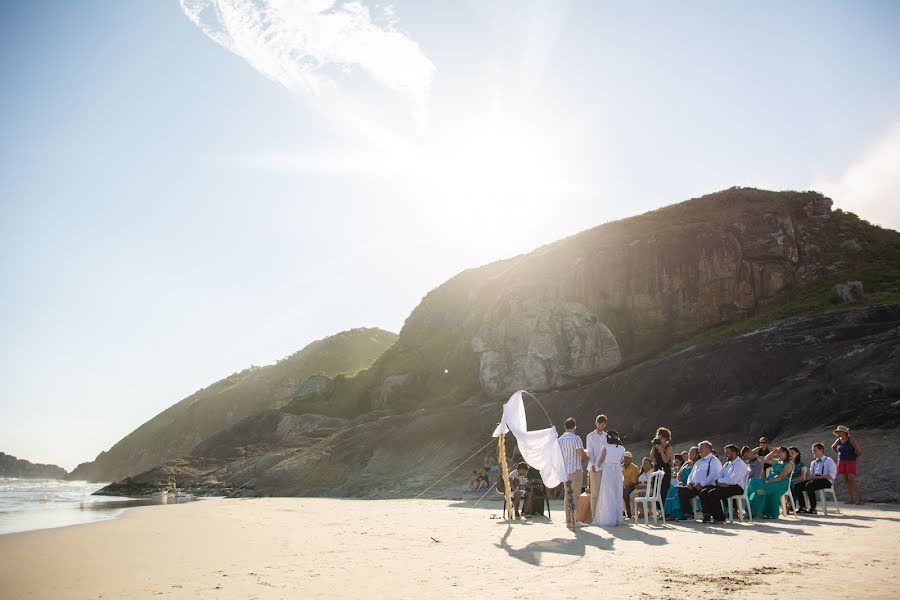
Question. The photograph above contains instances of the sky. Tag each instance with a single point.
(190, 188)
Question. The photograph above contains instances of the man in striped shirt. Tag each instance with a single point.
(573, 455)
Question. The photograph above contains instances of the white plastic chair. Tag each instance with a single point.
(790, 496)
(736, 503)
(652, 497)
(823, 502)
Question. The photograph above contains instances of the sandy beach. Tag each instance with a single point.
(325, 548)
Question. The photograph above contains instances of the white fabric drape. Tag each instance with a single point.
(540, 448)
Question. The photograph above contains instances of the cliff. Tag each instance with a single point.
(620, 293)
(10, 466)
(180, 427)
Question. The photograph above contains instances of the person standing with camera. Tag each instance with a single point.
(661, 452)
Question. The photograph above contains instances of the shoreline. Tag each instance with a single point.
(39, 515)
(325, 548)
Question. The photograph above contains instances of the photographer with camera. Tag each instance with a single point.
(661, 452)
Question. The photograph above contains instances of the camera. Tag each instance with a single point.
(655, 441)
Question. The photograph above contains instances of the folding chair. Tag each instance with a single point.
(652, 496)
(736, 503)
(788, 495)
(824, 503)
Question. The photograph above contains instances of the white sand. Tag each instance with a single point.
(320, 548)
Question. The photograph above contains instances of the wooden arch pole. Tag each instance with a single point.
(504, 472)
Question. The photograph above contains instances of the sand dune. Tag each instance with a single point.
(325, 548)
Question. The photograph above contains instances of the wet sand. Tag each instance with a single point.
(325, 548)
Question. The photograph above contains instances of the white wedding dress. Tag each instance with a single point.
(611, 486)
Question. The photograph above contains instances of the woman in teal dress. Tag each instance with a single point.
(673, 506)
(671, 500)
(765, 495)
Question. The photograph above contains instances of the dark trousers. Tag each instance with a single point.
(685, 495)
(711, 499)
(810, 486)
(626, 493)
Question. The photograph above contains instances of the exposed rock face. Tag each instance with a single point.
(849, 292)
(176, 430)
(541, 343)
(10, 466)
(792, 381)
(618, 294)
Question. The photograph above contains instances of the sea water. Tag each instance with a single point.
(27, 504)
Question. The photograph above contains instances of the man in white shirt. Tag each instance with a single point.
(573, 455)
(729, 482)
(704, 474)
(596, 442)
(820, 475)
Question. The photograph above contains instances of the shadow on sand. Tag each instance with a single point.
(576, 545)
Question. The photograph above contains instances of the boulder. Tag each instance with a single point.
(850, 291)
(540, 343)
(851, 245)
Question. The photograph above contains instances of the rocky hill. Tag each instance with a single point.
(10, 466)
(694, 316)
(792, 380)
(176, 430)
(615, 295)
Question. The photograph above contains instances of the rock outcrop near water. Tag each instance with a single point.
(176, 430)
(792, 380)
(10, 466)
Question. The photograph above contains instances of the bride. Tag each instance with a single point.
(610, 499)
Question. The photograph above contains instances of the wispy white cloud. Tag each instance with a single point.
(296, 42)
(870, 187)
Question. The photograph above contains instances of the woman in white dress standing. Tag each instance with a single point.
(610, 500)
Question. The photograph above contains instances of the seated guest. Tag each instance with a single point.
(641, 488)
(765, 495)
(518, 482)
(750, 457)
(672, 505)
(693, 455)
(728, 483)
(763, 450)
(703, 474)
(473, 482)
(799, 472)
(630, 474)
(483, 482)
(685, 456)
(822, 472)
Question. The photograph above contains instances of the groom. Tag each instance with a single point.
(596, 441)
